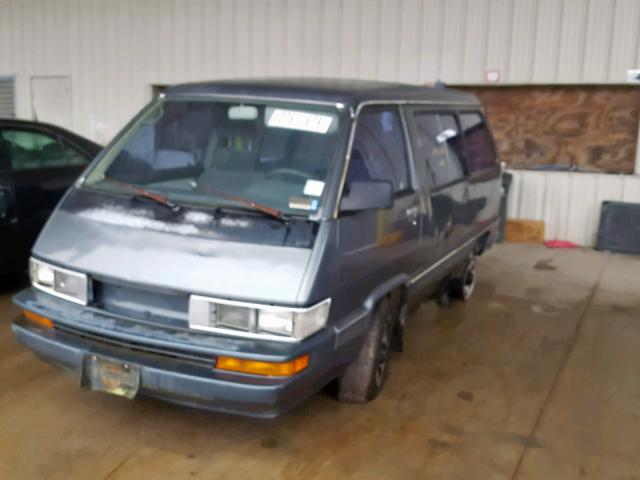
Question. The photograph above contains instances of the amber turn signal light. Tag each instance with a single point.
(44, 322)
(255, 367)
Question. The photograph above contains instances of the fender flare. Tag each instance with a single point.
(355, 324)
(400, 280)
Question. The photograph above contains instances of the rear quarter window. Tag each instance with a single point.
(481, 154)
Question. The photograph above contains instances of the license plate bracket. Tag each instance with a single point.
(110, 375)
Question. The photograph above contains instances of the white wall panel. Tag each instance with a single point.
(453, 40)
(556, 213)
(572, 39)
(625, 48)
(499, 36)
(474, 61)
(582, 209)
(115, 50)
(431, 39)
(389, 40)
(547, 36)
(523, 38)
(631, 189)
(568, 203)
(599, 30)
(410, 40)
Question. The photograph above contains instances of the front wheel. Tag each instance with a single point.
(363, 380)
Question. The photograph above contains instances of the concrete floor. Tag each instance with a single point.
(535, 378)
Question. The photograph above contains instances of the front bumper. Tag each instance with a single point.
(178, 366)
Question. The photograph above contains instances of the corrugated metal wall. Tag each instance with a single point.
(114, 50)
(569, 203)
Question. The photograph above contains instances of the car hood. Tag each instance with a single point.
(132, 247)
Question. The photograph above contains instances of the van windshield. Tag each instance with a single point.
(205, 152)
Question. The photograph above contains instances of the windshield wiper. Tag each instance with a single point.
(269, 211)
(141, 192)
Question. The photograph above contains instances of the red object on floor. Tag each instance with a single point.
(560, 244)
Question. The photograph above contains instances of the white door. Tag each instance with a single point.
(51, 100)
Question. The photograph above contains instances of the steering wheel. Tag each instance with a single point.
(289, 171)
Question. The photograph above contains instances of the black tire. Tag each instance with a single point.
(363, 380)
(462, 287)
(443, 298)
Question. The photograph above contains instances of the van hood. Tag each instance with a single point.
(232, 257)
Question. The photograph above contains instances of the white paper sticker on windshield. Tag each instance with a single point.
(297, 120)
(313, 188)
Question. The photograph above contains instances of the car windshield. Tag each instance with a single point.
(207, 152)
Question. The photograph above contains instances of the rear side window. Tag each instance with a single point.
(75, 156)
(481, 153)
(379, 151)
(438, 144)
(30, 150)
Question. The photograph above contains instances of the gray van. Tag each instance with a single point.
(242, 244)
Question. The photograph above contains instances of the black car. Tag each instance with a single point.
(38, 163)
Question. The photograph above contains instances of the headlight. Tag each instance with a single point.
(61, 282)
(276, 322)
(247, 319)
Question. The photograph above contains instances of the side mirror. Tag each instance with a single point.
(369, 195)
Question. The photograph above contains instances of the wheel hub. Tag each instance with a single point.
(469, 280)
(383, 355)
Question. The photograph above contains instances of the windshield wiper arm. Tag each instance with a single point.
(141, 192)
(270, 211)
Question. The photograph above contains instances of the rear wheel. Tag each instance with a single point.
(462, 287)
(363, 380)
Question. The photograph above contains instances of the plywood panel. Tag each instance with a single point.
(590, 127)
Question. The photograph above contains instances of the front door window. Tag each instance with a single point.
(379, 151)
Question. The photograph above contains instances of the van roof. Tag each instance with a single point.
(325, 90)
